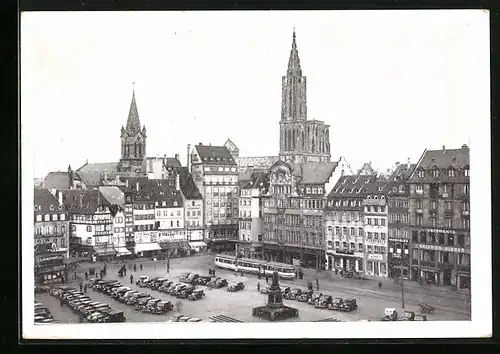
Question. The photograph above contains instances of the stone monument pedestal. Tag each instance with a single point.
(275, 310)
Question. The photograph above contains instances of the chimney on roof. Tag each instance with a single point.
(444, 148)
(188, 162)
(397, 163)
(464, 146)
(177, 182)
(177, 157)
(200, 144)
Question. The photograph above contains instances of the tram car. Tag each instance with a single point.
(255, 266)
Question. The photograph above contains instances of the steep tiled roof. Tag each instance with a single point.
(256, 161)
(91, 173)
(215, 154)
(160, 194)
(366, 169)
(113, 195)
(402, 171)
(314, 172)
(355, 185)
(57, 180)
(444, 159)
(188, 187)
(83, 201)
(43, 200)
(172, 162)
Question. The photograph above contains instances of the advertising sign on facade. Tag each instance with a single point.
(441, 231)
(377, 257)
(359, 254)
(443, 248)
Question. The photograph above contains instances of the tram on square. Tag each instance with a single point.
(256, 266)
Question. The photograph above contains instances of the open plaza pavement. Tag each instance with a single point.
(449, 304)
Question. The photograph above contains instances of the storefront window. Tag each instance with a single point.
(383, 268)
(369, 266)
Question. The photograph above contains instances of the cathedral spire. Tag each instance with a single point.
(294, 61)
(133, 122)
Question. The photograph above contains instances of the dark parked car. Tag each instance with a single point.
(408, 316)
(305, 296)
(162, 307)
(164, 287)
(293, 294)
(314, 297)
(115, 317)
(202, 280)
(177, 289)
(235, 287)
(184, 293)
(196, 295)
(336, 303)
(420, 318)
(349, 305)
(323, 302)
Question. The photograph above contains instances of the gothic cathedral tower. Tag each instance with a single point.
(301, 141)
(133, 142)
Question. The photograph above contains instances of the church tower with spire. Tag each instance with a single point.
(301, 141)
(133, 142)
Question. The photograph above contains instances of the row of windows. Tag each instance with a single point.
(291, 236)
(398, 203)
(375, 236)
(220, 169)
(401, 218)
(345, 216)
(193, 213)
(54, 217)
(446, 190)
(192, 223)
(245, 225)
(314, 190)
(58, 242)
(294, 203)
(375, 208)
(144, 217)
(221, 190)
(245, 214)
(398, 233)
(448, 222)
(245, 202)
(440, 256)
(48, 230)
(448, 205)
(165, 213)
(375, 221)
(440, 238)
(436, 172)
(345, 231)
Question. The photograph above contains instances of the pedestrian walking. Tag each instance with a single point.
(141, 267)
(213, 270)
(85, 288)
(125, 271)
(86, 276)
(380, 285)
(81, 287)
(336, 271)
(62, 303)
(135, 267)
(317, 284)
(258, 275)
(131, 279)
(310, 285)
(267, 279)
(241, 272)
(258, 286)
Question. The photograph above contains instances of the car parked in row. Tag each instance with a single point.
(233, 287)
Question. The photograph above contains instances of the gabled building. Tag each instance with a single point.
(51, 237)
(116, 199)
(232, 148)
(215, 173)
(293, 230)
(439, 211)
(251, 214)
(91, 223)
(60, 180)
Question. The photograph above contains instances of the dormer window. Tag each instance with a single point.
(308, 190)
(435, 173)
(367, 180)
(164, 203)
(380, 189)
(466, 172)
(368, 197)
(382, 197)
(421, 173)
(343, 189)
(359, 190)
(375, 197)
(175, 203)
(451, 172)
(51, 207)
(394, 189)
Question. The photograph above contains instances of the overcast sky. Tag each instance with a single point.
(389, 83)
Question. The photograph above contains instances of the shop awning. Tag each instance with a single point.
(172, 245)
(105, 251)
(197, 244)
(144, 247)
(123, 251)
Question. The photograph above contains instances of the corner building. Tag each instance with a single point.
(440, 218)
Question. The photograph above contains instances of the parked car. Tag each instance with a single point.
(151, 282)
(348, 305)
(141, 302)
(164, 287)
(420, 318)
(159, 282)
(305, 296)
(96, 317)
(150, 305)
(235, 287)
(183, 276)
(336, 303)
(194, 319)
(184, 318)
(408, 316)
(390, 314)
(175, 318)
(184, 293)
(118, 292)
(124, 298)
(220, 283)
(176, 291)
(174, 287)
(265, 289)
(192, 278)
(202, 280)
(293, 294)
(197, 294)
(285, 290)
(162, 307)
(323, 301)
(314, 297)
(115, 317)
(143, 280)
(213, 280)
(132, 300)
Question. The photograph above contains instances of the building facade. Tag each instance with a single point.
(301, 140)
(215, 173)
(133, 142)
(399, 221)
(251, 212)
(51, 237)
(91, 223)
(439, 211)
(293, 230)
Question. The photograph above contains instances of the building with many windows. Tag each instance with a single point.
(51, 236)
(250, 209)
(215, 173)
(293, 230)
(398, 255)
(439, 208)
(91, 223)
